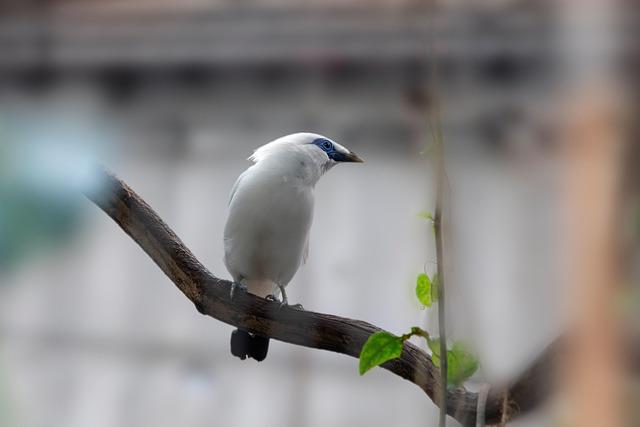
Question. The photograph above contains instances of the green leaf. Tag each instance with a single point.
(423, 290)
(379, 348)
(462, 364)
(426, 215)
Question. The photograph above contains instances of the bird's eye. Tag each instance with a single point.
(324, 144)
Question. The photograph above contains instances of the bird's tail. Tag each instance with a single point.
(244, 344)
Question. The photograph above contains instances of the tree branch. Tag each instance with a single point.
(306, 328)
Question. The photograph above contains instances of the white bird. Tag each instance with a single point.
(266, 237)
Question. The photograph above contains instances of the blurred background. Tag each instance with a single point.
(173, 96)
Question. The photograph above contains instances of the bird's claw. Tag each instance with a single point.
(236, 286)
(284, 303)
(273, 298)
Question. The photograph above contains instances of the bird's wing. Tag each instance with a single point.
(235, 187)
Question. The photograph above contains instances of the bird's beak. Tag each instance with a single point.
(353, 157)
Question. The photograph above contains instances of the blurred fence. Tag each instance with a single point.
(183, 92)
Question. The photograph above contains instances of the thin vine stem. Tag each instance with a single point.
(442, 330)
(436, 134)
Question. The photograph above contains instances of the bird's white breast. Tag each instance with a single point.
(266, 234)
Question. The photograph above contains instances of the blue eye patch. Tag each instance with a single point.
(324, 144)
(328, 147)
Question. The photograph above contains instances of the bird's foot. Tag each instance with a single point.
(235, 286)
(284, 303)
(273, 298)
(283, 294)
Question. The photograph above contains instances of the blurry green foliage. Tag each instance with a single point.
(43, 168)
(32, 220)
(461, 363)
(426, 215)
(383, 346)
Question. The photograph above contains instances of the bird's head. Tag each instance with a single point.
(317, 148)
(335, 152)
(305, 155)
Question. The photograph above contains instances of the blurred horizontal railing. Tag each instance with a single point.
(87, 37)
